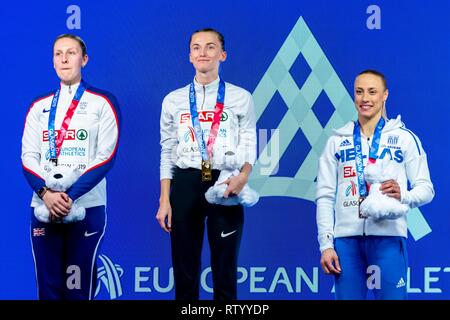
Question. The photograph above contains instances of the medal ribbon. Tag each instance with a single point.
(363, 192)
(206, 150)
(55, 143)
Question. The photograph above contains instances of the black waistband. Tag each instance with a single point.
(194, 169)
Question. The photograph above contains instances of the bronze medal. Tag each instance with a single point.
(206, 171)
(360, 200)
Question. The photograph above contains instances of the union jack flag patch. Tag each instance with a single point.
(37, 232)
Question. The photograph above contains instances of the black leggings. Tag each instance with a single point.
(224, 225)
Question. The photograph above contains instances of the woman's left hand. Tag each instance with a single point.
(391, 189)
(235, 184)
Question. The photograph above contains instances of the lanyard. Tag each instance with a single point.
(206, 150)
(55, 143)
(372, 153)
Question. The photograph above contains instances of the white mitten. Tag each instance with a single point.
(215, 193)
(77, 213)
(42, 214)
(61, 178)
(378, 205)
(373, 172)
(247, 197)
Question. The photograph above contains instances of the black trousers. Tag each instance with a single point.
(224, 226)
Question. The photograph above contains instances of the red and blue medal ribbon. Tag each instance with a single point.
(206, 149)
(55, 143)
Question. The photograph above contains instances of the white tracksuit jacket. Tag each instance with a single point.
(90, 143)
(337, 185)
(236, 139)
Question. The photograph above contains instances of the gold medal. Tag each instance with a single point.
(360, 200)
(206, 170)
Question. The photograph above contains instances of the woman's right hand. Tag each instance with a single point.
(164, 215)
(330, 262)
(58, 204)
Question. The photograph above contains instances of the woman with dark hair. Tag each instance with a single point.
(75, 130)
(354, 245)
(206, 127)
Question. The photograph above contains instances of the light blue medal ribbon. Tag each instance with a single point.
(372, 153)
(51, 126)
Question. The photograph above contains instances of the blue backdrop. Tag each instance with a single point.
(297, 58)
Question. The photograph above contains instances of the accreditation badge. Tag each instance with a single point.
(206, 171)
